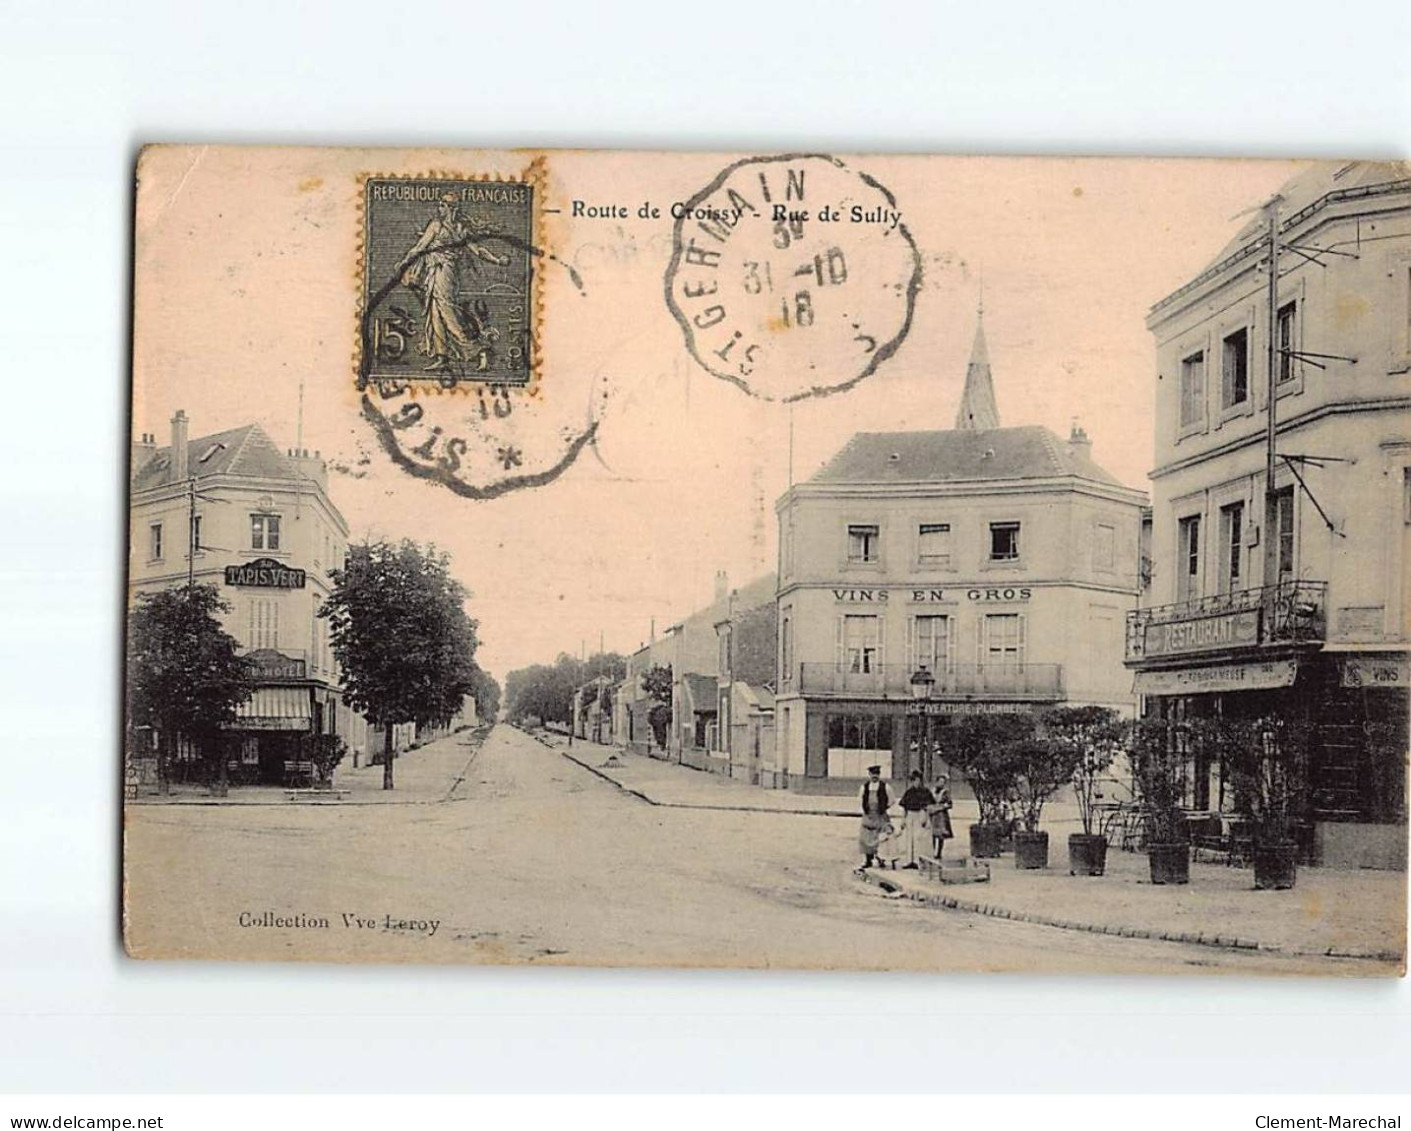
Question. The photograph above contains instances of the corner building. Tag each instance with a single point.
(1002, 561)
(1322, 636)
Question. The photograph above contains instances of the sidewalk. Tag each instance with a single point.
(678, 786)
(1341, 914)
(425, 776)
(1348, 914)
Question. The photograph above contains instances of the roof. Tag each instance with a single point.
(1300, 195)
(960, 456)
(704, 691)
(246, 451)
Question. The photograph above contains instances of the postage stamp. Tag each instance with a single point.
(792, 276)
(449, 288)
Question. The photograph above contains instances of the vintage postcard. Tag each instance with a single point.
(776, 560)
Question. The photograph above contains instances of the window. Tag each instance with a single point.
(933, 543)
(1004, 541)
(1004, 640)
(1234, 384)
(196, 533)
(931, 643)
(1105, 547)
(1406, 495)
(1286, 338)
(1231, 547)
(1188, 559)
(154, 541)
(860, 732)
(264, 532)
(786, 648)
(786, 546)
(862, 644)
(862, 543)
(724, 659)
(1284, 513)
(264, 623)
(1192, 390)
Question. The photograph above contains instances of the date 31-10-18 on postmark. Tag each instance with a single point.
(448, 281)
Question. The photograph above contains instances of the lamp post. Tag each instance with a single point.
(922, 684)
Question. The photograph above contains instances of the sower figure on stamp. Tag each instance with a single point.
(875, 823)
(432, 269)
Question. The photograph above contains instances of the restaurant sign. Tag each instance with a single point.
(265, 573)
(1202, 634)
(1257, 676)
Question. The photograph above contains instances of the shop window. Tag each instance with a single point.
(933, 544)
(264, 532)
(1287, 337)
(931, 643)
(1234, 384)
(1188, 558)
(860, 732)
(863, 543)
(1004, 541)
(1192, 389)
(1231, 547)
(154, 541)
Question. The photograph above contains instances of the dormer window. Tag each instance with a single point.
(209, 452)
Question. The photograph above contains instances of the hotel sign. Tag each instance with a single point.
(265, 573)
(1202, 634)
(267, 664)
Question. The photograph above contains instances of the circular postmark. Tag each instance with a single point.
(792, 276)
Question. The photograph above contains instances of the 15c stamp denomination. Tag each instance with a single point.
(448, 281)
(792, 276)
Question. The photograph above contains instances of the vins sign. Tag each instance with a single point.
(265, 573)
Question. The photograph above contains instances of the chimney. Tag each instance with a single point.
(1078, 442)
(179, 457)
(141, 451)
(722, 584)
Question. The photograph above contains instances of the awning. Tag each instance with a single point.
(1258, 675)
(275, 708)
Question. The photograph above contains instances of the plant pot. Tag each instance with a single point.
(1087, 854)
(1170, 863)
(1275, 866)
(1030, 850)
(985, 840)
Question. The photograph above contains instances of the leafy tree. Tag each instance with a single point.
(545, 691)
(657, 683)
(398, 626)
(183, 674)
(486, 692)
(988, 749)
(1093, 737)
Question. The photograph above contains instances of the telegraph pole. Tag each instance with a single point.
(1271, 496)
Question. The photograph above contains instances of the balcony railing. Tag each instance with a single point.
(893, 681)
(1290, 612)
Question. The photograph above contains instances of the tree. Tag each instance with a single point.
(398, 626)
(183, 674)
(657, 683)
(545, 691)
(1093, 737)
(987, 749)
(486, 692)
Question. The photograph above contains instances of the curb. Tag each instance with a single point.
(685, 804)
(1222, 942)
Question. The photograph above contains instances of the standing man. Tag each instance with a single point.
(875, 824)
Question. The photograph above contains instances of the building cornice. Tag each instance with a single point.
(1289, 424)
(970, 488)
(304, 488)
(1250, 252)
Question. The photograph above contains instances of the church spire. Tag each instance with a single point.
(977, 404)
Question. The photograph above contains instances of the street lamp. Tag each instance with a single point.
(922, 681)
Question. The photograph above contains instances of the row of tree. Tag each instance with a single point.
(397, 626)
(544, 692)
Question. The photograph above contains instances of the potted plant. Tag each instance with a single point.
(983, 748)
(1044, 764)
(1265, 760)
(1093, 737)
(1158, 767)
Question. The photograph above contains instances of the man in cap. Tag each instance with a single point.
(875, 824)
